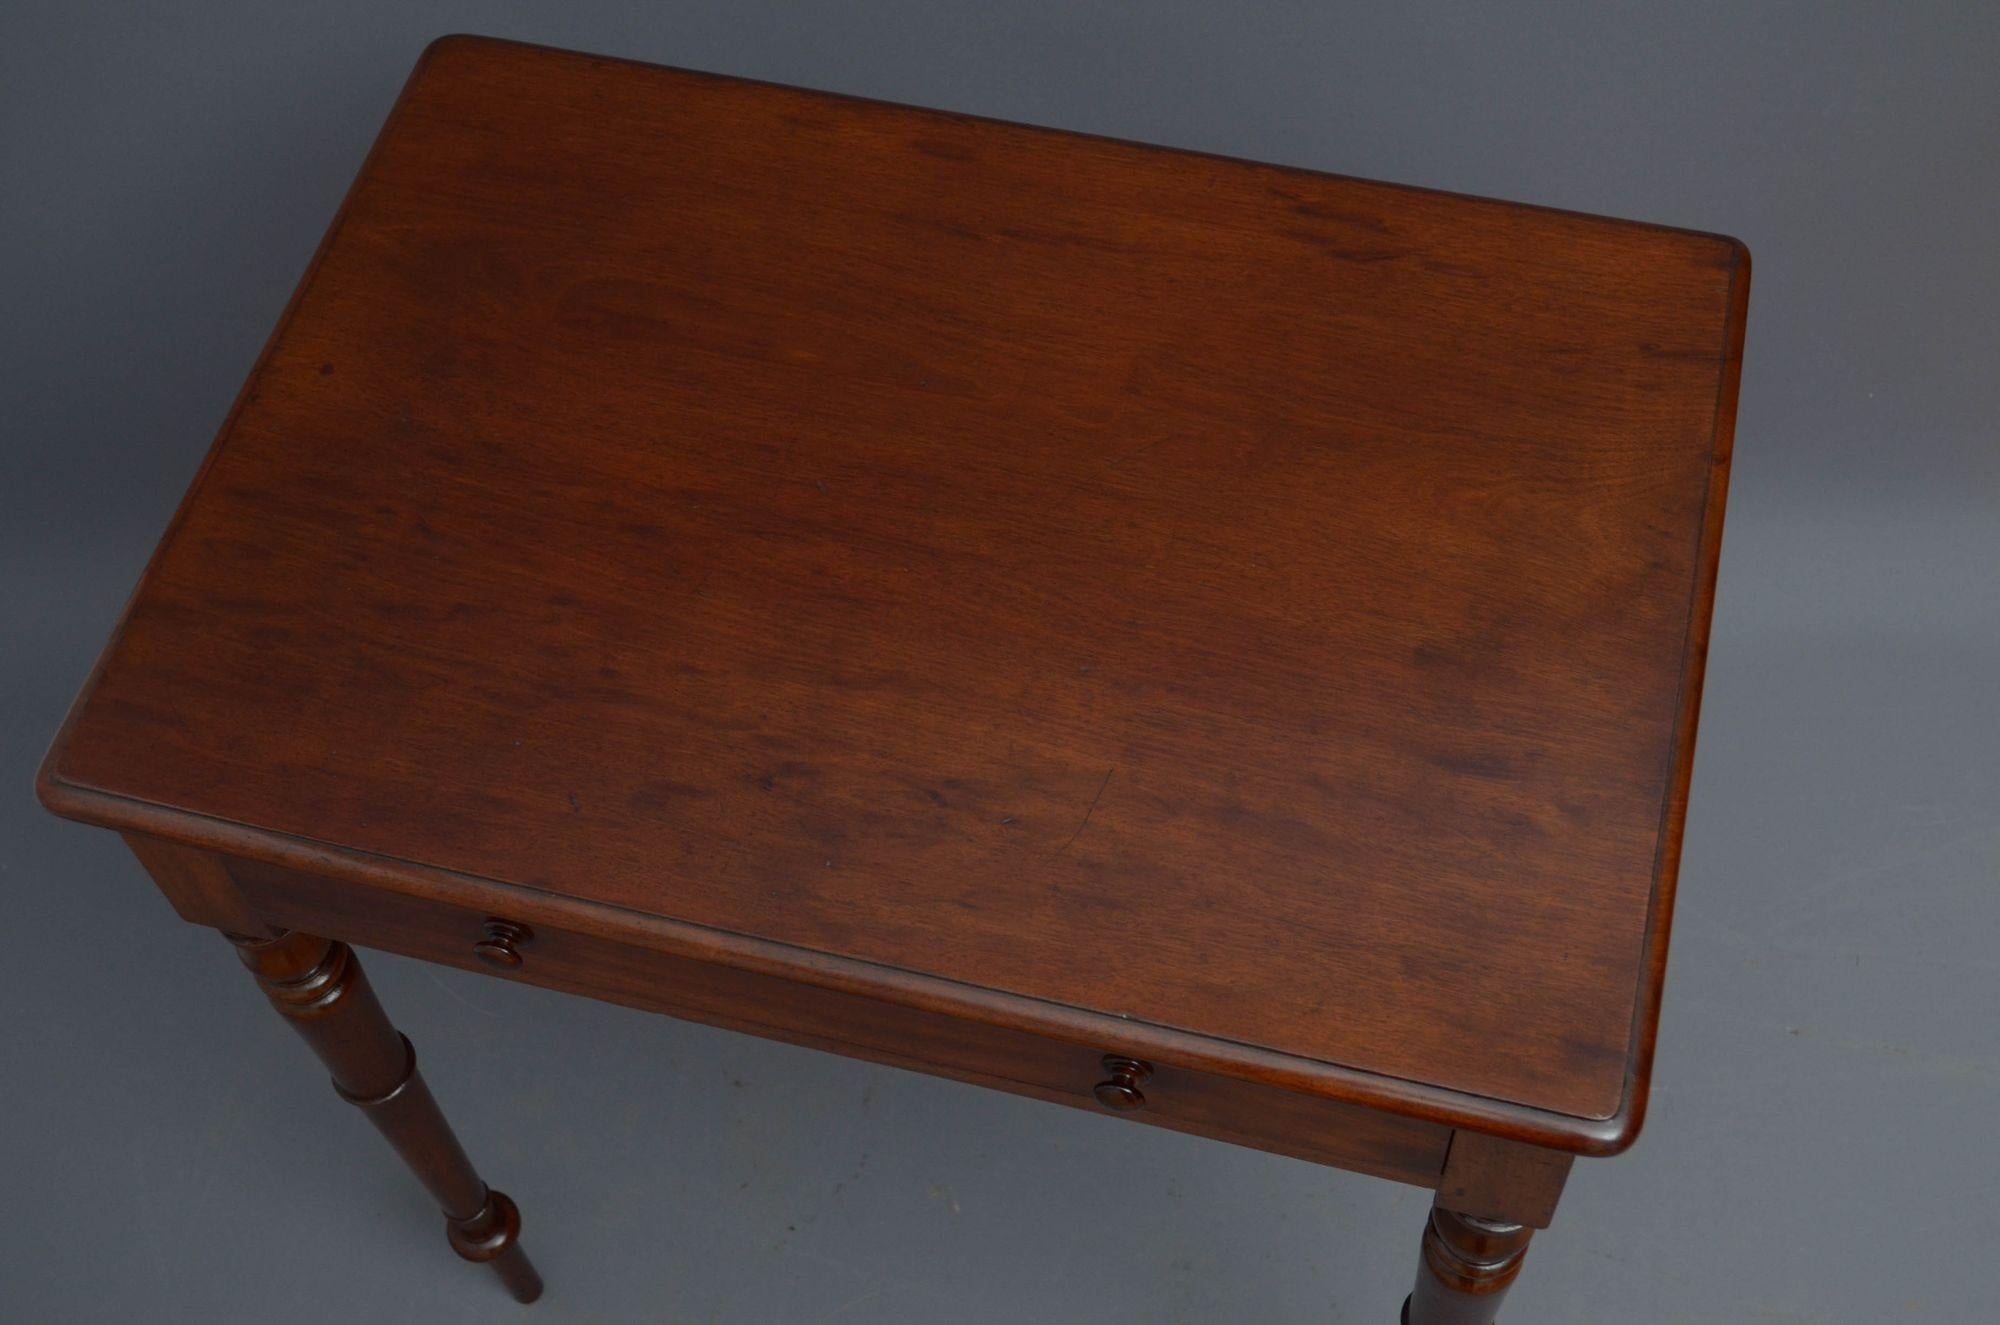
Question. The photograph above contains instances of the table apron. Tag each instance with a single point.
(628, 972)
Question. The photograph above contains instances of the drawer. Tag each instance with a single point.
(760, 1003)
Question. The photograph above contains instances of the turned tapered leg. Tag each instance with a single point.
(318, 985)
(1467, 1265)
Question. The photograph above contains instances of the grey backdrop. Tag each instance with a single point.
(1821, 1146)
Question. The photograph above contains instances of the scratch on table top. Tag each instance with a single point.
(1087, 812)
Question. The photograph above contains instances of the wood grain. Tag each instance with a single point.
(1251, 605)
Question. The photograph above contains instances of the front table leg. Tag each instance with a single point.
(1468, 1264)
(319, 987)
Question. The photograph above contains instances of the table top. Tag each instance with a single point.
(1236, 600)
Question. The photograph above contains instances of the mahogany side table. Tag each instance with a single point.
(1206, 642)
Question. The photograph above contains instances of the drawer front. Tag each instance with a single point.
(620, 971)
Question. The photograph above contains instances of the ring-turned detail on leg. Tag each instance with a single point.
(1468, 1264)
(318, 985)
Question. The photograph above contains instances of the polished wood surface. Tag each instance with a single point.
(988, 567)
(1212, 644)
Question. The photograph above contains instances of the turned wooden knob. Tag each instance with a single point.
(1122, 1091)
(502, 944)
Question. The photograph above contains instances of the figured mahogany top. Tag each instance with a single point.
(1218, 597)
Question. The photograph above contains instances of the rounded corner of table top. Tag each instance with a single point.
(56, 792)
(55, 795)
(81, 803)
